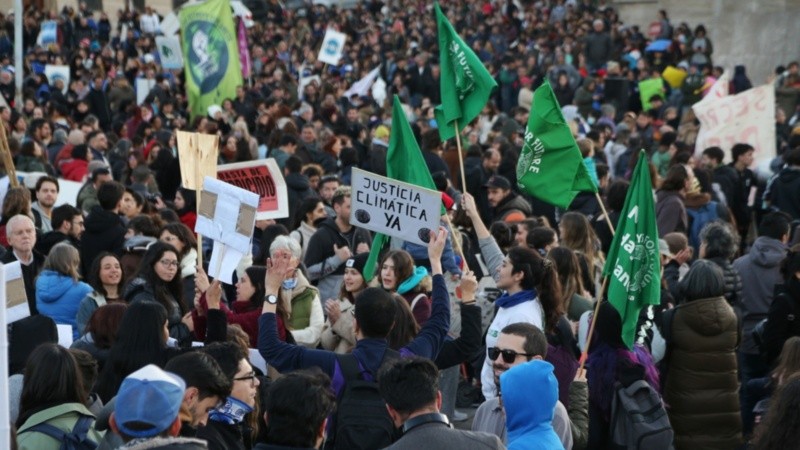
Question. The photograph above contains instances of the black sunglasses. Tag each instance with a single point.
(509, 356)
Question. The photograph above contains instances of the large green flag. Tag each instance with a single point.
(633, 263)
(404, 162)
(550, 166)
(465, 83)
(211, 52)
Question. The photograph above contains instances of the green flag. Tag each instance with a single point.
(634, 264)
(550, 166)
(404, 162)
(465, 83)
(208, 40)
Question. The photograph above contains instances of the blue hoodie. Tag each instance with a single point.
(58, 297)
(530, 393)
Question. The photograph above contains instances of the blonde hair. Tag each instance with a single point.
(64, 259)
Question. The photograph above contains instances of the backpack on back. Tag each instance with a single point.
(77, 439)
(699, 218)
(362, 421)
(638, 418)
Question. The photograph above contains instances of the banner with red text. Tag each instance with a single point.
(265, 179)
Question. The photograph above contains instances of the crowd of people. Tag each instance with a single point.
(494, 314)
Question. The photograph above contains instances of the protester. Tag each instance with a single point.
(100, 332)
(338, 335)
(411, 389)
(58, 291)
(399, 275)
(106, 279)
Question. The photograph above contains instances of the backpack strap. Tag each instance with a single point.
(78, 434)
(666, 324)
(349, 365)
(416, 300)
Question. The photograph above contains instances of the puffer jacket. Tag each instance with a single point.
(702, 389)
(733, 283)
(58, 297)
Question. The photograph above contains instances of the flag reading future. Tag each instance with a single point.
(465, 83)
(550, 165)
(633, 262)
(211, 54)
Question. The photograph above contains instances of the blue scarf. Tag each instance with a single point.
(507, 301)
(230, 412)
(412, 281)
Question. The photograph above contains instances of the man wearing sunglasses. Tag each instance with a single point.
(517, 344)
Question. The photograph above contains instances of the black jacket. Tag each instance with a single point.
(783, 192)
(298, 188)
(733, 283)
(736, 186)
(29, 274)
(783, 320)
(223, 436)
(105, 232)
(512, 202)
(320, 246)
(50, 239)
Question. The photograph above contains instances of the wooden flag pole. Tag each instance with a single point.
(460, 159)
(585, 352)
(6, 156)
(605, 213)
(456, 242)
(197, 205)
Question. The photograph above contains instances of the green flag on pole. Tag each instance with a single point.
(211, 52)
(404, 162)
(550, 166)
(465, 83)
(634, 264)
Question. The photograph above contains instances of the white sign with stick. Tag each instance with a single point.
(394, 208)
(228, 216)
(16, 299)
(54, 72)
(332, 47)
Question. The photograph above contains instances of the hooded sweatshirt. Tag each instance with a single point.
(58, 297)
(530, 393)
(760, 272)
(782, 192)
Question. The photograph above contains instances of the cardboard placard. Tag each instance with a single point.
(394, 208)
(197, 153)
(16, 298)
(264, 178)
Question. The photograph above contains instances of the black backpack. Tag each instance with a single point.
(639, 420)
(362, 421)
(77, 439)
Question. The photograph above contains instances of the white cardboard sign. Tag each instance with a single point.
(394, 208)
(332, 47)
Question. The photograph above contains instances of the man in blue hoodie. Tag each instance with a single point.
(374, 318)
(530, 393)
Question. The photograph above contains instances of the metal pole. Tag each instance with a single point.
(18, 64)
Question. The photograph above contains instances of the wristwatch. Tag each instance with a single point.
(271, 299)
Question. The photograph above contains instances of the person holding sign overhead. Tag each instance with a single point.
(334, 242)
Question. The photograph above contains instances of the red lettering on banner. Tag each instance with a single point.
(254, 179)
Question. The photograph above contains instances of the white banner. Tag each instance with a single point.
(748, 118)
(361, 87)
(169, 50)
(54, 73)
(48, 33)
(332, 47)
(394, 208)
(143, 86)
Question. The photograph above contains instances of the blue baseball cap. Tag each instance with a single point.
(149, 396)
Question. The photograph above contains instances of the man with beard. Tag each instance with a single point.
(517, 344)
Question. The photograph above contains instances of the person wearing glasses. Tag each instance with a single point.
(233, 424)
(158, 281)
(517, 344)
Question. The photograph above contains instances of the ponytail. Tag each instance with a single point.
(540, 274)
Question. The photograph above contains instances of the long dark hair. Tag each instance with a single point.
(94, 274)
(51, 378)
(162, 290)
(140, 341)
(405, 327)
(540, 274)
(183, 233)
(781, 428)
(308, 205)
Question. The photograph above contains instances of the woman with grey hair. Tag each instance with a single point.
(702, 388)
(718, 244)
(299, 298)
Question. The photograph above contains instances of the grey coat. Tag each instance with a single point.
(440, 437)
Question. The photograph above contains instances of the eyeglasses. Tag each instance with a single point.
(169, 263)
(509, 356)
(249, 377)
